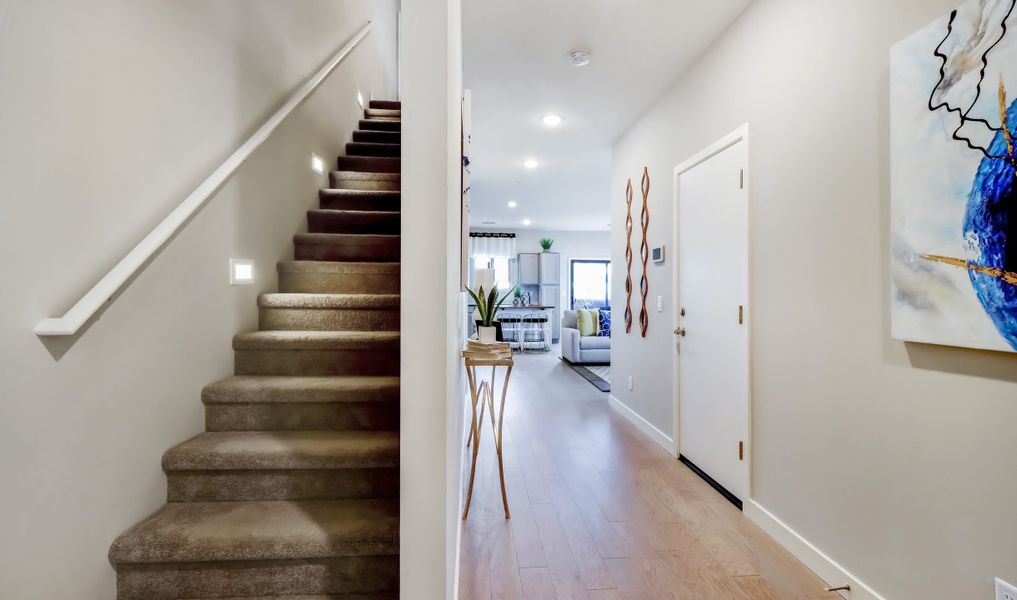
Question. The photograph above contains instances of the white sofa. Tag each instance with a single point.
(583, 350)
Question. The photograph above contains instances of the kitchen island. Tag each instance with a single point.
(551, 311)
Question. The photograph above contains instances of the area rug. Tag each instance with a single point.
(598, 375)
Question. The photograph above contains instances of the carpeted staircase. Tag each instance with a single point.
(293, 490)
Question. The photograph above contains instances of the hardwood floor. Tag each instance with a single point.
(600, 512)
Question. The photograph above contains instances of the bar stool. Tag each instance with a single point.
(534, 330)
(511, 329)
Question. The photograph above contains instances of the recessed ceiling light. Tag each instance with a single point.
(531, 163)
(527, 222)
(551, 120)
(580, 57)
(512, 204)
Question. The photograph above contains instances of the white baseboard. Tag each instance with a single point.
(662, 439)
(822, 565)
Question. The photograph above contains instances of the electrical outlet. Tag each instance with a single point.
(630, 383)
(1005, 591)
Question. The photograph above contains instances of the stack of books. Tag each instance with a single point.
(476, 350)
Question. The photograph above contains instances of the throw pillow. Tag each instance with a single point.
(605, 323)
(585, 323)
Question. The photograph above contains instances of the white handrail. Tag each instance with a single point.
(103, 292)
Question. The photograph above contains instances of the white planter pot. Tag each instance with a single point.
(487, 335)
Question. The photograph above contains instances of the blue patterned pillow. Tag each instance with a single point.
(605, 323)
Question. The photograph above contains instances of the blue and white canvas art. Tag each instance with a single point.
(954, 180)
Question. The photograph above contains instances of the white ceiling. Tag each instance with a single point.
(516, 66)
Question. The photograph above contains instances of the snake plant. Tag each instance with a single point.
(488, 304)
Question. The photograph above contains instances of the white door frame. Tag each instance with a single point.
(739, 135)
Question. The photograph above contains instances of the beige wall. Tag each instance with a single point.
(897, 460)
(111, 112)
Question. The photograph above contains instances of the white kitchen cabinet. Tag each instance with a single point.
(550, 268)
(529, 269)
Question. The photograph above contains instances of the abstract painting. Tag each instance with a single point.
(953, 185)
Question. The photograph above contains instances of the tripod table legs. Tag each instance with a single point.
(484, 397)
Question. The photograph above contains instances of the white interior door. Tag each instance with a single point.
(712, 282)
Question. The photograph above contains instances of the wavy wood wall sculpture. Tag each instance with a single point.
(644, 253)
(628, 256)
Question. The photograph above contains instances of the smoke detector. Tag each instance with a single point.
(580, 57)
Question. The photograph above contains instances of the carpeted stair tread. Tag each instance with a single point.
(376, 194)
(328, 301)
(338, 267)
(250, 450)
(366, 175)
(380, 125)
(347, 247)
(383, 113)
(372, 164)
(198, 532)
(380, 137)
(391, 104)
(372, 149)
(315, 340)
(364, 180)
(354, 221)
(311, 276)
(330, 597)
(345, 238)
(252, 389)
(381, 200)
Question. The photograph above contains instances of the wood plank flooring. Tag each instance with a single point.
(600, 512)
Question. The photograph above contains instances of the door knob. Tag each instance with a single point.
(680, 331)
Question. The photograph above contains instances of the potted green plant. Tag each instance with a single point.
(487, 307)
(546, 244)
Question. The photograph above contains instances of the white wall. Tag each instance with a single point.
(897, 460)
(111, 112)
(432, 440)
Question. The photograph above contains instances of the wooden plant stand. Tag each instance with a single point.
(482, 394)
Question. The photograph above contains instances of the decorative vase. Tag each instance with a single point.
(487, 335)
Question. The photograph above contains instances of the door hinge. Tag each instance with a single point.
(741, 179)
(741, 450)
(741, 315)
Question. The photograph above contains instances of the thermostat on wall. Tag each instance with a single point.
(658, 254)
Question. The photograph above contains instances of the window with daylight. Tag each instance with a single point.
(590, 282)
(500, 264)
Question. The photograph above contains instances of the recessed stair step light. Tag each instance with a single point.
(317, 164)
(241, 271)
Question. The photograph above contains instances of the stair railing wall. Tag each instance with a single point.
(107, 287)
